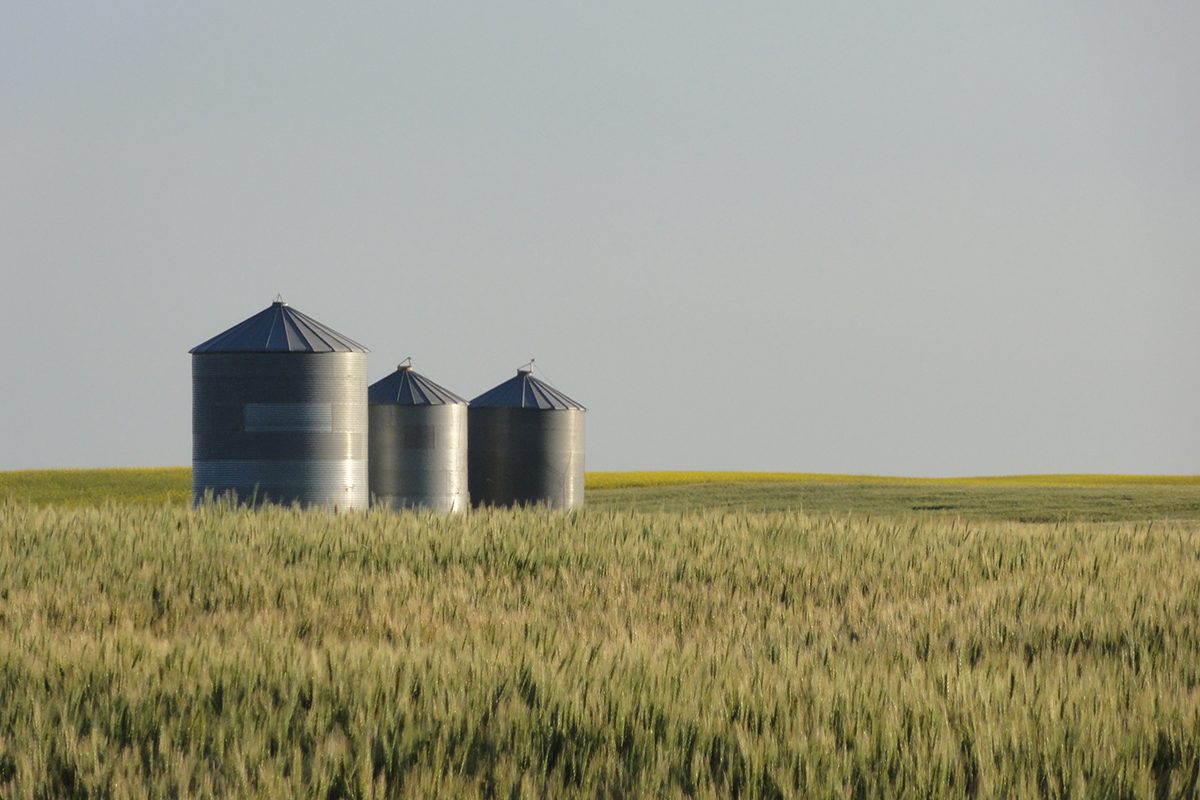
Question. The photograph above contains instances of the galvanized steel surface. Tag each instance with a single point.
(525, 391)
(521, 456)
(279, 328)
(283, 427)
(408, 387)
(418, 456)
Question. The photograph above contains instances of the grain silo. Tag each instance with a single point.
(418, 443)
(279, 413)
(526, 445)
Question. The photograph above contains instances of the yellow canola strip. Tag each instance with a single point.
(629, 480)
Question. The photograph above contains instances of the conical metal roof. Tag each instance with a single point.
(279, 328)
(405, 387)
(526, 391)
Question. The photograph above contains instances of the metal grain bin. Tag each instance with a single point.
(526, 445)
(418, 443)
(279, 413)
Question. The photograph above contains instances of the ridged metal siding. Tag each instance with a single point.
(279, 328)
(520, 456)
(419, 456)
(281, 427)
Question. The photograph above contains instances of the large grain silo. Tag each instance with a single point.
(418, 443)
(279, 413)
(526, 445)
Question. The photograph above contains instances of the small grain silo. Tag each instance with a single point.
(418, 443)
(279, 413)
(526, 445)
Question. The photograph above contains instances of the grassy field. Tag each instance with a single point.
(1023, 503)
(157, 650)
(1031, 498)
(632, 480)
(686, 635)
(91, 487)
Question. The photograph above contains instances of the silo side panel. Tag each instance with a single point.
(285, 427)
(522, 456)
(418, 456)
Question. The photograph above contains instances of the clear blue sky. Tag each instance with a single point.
(928, 238)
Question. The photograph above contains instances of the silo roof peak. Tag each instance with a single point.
(279, 328)
(407, 387)
(526, 391)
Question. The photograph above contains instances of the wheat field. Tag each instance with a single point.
(604, 653)
(1028, 498)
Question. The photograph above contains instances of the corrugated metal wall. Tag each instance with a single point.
(521, 456)
(284, 427)
(418, 456)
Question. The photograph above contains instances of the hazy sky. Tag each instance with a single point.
(912, 238)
